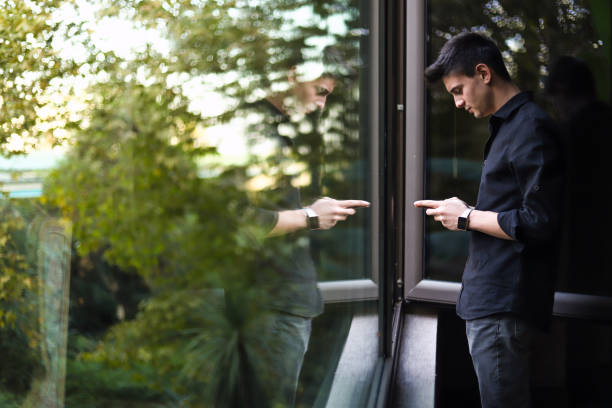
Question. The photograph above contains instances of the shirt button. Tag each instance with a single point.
(536, 188)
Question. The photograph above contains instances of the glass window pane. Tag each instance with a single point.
(531, 37)
(156, 160)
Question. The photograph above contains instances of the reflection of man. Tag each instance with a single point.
(306, 97)
(290, 274)
(586, 122)
(507, 287)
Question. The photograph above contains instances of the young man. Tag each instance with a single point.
(508, 281)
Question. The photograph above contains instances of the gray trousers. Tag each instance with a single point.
(285, 341)
(500, 348)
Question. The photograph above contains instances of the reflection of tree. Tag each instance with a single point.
(530, 36)
(244, 49)
(132, 186)
(30, 70)
(149, 198)
(18, 285)
(29, 66)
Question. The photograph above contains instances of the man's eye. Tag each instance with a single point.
(322, 91)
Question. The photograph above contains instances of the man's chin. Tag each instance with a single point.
(309, 109)
(477, 115)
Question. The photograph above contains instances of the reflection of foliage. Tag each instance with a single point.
(146, 205)
(18, 285)
(18, 282)
(190, 344)
(30, 70)
(135, 186)
(148, 209)
(28, 64)
(94, 385)
(17, 372)
(135, 162)
(14, 280)
(143, 193)
(101, 294)
(243, 49)
(255, 42)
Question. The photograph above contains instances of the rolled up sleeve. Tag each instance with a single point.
(537, 166)
(267, 219)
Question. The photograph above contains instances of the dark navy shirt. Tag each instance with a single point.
(522, 180)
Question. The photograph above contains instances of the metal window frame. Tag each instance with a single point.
(348, 290)
(414, 144)
(354, 290)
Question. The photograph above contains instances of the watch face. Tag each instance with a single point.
(462, 223)
(313, 222)
(312, 219)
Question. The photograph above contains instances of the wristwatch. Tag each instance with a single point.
(464, 219)
(312, 219)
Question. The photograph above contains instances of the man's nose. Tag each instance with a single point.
(459, 102)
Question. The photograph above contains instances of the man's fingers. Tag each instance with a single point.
(345, 211)
(427, 203)
(352, 203)
(432, 211)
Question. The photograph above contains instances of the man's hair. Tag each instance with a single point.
(462, 53)
(331, 63)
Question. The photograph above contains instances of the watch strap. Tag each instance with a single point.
(464, 219)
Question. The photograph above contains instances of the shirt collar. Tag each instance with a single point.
(513, 104)
(503, 114)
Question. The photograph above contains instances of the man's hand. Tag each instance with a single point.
(331, 211)
(446, 211)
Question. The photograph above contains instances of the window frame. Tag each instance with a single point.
(354, 290)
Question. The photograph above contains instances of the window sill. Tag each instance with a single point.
(348, 290)
(571, 305)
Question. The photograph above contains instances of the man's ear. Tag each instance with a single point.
(483, 72)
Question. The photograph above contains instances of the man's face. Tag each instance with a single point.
(312, 95)
(470, 93)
